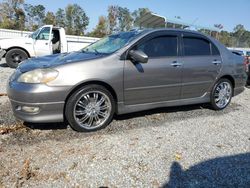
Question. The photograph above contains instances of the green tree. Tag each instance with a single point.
(50, 19)
(137, 14)
(125, 19)
(11, 14)
(60, 17)
(35, 15)
(101, 29)
(76, 20)
(112, 18)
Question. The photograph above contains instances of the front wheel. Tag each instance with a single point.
(221, 94)
(14, 57)
(90, 108)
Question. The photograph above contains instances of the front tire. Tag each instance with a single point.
(14, 57)
(222, 94)
(90, 108)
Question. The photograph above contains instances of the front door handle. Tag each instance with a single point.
(176, 64)
(216, 62)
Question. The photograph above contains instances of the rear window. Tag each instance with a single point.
(196, 46)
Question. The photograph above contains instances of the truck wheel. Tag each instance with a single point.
(15, 56)
(90, 108)
(221, 94)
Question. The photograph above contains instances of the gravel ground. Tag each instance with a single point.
(5, 72)
(189, 146)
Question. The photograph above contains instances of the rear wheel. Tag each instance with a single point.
(221, 94)
(14, 57)
(90, 108)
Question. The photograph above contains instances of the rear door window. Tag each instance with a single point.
(194, 46)
(162, 46)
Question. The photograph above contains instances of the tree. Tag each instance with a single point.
(76, 20)
(35, 15)
(11, 14)
(50, 19)
(137, 14)
(60, 17)
(112, 18)
(240, 35)
(125, 19)
(101, 29)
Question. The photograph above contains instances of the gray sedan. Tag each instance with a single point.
(124, 73)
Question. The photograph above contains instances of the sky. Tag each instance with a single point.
(202, 12)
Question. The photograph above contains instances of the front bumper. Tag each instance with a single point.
(48, 100)
(2, 53)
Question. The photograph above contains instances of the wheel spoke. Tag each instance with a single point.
(104, 107)
(87, 98)
(222, 95)
(81, 104)
(92, 109)
(101, 101)
(95, 97)
(97, 119)
(90, 121)
(82, 120)
(80, 112)
(102, 114)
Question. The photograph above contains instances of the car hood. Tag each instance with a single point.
(56, 60)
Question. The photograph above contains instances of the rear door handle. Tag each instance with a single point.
(216, 62)
(176, 64)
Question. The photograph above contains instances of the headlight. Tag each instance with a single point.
(38, 76)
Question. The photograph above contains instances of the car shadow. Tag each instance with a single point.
(4, 65)
(46, 126)
(59, 126)
(161, 111)
(230, 171)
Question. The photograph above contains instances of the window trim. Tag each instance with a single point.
(195, 37)
(199, 36)
(50, 32)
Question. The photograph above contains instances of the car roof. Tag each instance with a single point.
(172, 29)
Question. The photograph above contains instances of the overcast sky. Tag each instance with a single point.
(202, 12)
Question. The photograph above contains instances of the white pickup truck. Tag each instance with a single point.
(46, 40)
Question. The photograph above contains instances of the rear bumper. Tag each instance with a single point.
(48, 102)
(2, 53)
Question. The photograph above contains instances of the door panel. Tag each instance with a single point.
(201, 65)
(160, 78)
(42, 43)
(154, 81)
(198, 75)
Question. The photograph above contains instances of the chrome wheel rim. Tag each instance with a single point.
(223, 94)
(92, 109)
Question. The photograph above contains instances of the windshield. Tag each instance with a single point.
(34, 34)
(112, 43)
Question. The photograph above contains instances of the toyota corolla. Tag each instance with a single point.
(124, 73)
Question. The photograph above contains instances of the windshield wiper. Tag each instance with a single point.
(96, 52)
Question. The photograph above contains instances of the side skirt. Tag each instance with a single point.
(124, 109)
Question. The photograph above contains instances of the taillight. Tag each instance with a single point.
(246, 63)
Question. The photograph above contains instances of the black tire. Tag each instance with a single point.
(214, 92)
(15, 56)
(73, 100)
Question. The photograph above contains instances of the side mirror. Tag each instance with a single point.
(138, 56)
